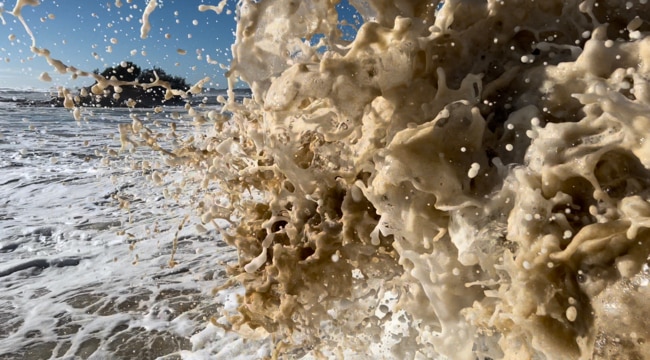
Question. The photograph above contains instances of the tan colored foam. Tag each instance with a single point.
(472, 181)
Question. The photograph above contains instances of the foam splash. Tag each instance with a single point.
(468, 181)
(485, 163)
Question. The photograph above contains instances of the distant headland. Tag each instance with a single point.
(128, 85)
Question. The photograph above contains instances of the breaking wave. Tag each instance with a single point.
(466, 179)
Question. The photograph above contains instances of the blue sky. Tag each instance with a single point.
(92, 34)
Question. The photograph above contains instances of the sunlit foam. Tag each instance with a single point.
(471, 179)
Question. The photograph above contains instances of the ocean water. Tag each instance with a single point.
(83, 276)
(460, 179)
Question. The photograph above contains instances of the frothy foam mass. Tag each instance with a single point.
(470, 180)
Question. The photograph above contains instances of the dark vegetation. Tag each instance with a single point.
(141, 96)
(132, 72)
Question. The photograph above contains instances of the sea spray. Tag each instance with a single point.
(466, 180)
(495, 151)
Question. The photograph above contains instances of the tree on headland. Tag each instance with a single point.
(143, 96)
(126, 71)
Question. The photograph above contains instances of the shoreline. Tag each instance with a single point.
(141, 102)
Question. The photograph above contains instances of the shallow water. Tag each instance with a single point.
(83, 277)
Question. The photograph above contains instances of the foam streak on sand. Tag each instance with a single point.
(465, 181)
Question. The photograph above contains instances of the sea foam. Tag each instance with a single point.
(462, 179)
